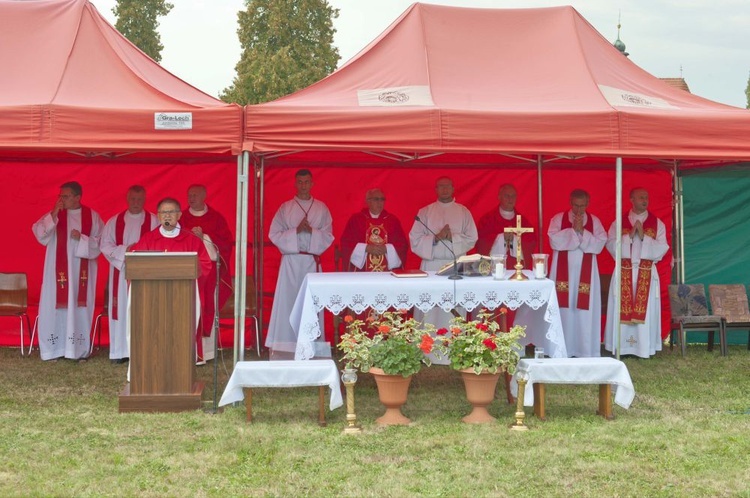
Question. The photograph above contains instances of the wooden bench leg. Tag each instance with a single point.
(539, 392)
(321, 406)
(249, 403)
(605, 401)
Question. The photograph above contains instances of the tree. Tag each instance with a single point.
(137, 21)
(286, 46)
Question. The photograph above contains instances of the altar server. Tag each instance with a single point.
(302, 230)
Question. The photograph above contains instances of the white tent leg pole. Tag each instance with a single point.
(617, 288)
(679, 224)
(258, 239)
(540, 242)
(240, 300)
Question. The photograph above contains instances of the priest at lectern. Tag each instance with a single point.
(168, 237)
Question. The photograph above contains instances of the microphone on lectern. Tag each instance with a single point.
(455, 275)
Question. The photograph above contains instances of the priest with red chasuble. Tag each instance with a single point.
(171, 237)
(373, 239)
(576, 238)
(70, 232)
(644, 243)
(208, 224)
(491, 230)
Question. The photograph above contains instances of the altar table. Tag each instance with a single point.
(535, 300)
(251, 374)
(603, 371)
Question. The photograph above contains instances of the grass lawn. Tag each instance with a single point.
(686, 434)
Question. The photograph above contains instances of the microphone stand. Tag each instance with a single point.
(455, 275)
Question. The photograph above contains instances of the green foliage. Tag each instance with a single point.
(397, 358)
(286, 45)
(137, 21)
(480, 345)
(389, 341)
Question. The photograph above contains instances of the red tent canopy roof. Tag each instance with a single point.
(72, 82)
(513, 81)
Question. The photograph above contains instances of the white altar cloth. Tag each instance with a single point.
(575, 371)
(283, 374)
(535, 300)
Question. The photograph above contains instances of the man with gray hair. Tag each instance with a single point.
(373, 239)
(120, 233)
(576, 237)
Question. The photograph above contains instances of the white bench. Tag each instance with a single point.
(603, 371)
(253, 374)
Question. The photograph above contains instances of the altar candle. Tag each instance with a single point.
(539, 270)
(499, 271)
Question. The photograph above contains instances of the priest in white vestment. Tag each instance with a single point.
(70, 232)
(644, 243)
(576, 237)
(451, 228)
(122, 231)
(302, 230)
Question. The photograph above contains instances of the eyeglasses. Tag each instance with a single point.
(168, 212)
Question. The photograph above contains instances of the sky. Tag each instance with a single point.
(707, 42)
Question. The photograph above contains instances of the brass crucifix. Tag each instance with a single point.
(517, 231)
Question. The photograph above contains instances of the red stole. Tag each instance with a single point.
(563, 279)
(61, 259)
(633, 307)
(119, 232)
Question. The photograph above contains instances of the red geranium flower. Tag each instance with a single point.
(490, 343)
(442, 331)
(482, 327)
(426, 345)
(348, 319)
(384, 329)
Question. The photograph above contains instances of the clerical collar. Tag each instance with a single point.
(508, 215)
(373, 215)
(449, 203)
(170, 235)
(195, 212)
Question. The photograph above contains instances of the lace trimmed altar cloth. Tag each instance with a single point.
(535, 300)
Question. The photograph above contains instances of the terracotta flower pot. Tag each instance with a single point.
(480, 392)
(392, 390)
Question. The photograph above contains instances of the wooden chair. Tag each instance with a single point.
(730, 302)
(251, 309)
(96, 329)
(14, 296)
(690, 312)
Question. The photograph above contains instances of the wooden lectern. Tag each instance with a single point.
(162, 333)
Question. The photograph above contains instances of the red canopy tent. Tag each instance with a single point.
(78, 101)
(536, 97)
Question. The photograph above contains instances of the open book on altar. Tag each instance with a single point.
(471, 265)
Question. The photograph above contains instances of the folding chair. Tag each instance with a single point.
(14, 296)
(730, 302)
(690, 312)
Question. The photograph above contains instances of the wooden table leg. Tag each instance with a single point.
(249, 403)
(605, 401)
(321, 406)
(539, 392)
